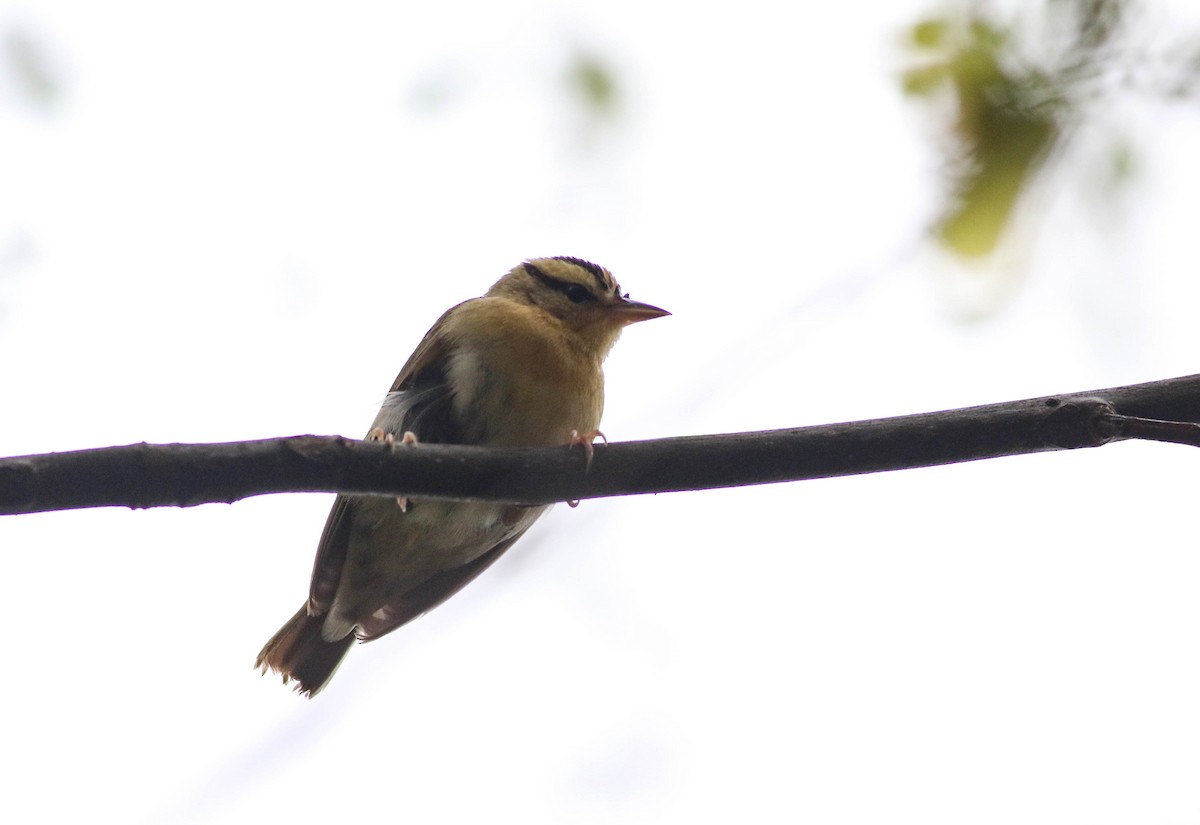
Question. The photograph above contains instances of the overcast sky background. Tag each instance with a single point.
(236, 220)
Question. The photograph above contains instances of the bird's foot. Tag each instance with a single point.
(409, 439)
(585, 440)
(379, 434)
(589, 450)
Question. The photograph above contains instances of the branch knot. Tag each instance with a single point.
(1079, 422)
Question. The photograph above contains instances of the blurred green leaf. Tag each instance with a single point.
(930, 33)
(1005, 123)
(1005, 134)
(1008, 151)
(593, 83)
(1022, 78)
(31, 66)
(923, 80)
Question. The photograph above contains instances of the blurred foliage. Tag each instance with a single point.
(592, 83)
(1021, 83)
(27, 62)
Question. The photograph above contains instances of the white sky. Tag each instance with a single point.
(240, 218)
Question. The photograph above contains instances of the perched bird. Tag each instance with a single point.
(518, 367)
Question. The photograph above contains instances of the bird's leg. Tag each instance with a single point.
(408, 440)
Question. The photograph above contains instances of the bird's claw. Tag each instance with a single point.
(589, 450)
(379, 434)
(409, 439)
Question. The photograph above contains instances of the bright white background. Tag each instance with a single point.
(237, 219)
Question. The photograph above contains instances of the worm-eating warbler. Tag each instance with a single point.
(518, 367)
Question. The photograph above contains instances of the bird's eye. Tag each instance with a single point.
(578, 294)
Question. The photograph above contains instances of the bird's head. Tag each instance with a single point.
(583, 296)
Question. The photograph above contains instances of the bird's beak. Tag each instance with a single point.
(630, 312)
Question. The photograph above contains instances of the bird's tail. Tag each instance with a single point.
(299, 654)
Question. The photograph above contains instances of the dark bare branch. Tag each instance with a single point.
(148, 475)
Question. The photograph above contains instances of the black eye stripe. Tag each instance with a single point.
(536, 272)
(578, 293)
(597, 272)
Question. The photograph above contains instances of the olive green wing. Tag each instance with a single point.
(428, 594)
(421, 402)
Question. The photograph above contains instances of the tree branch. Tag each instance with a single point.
(156, 475)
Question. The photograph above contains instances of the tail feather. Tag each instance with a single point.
(299, 654)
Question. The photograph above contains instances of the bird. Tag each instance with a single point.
(519, 366)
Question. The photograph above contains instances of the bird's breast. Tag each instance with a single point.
(520, 383)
